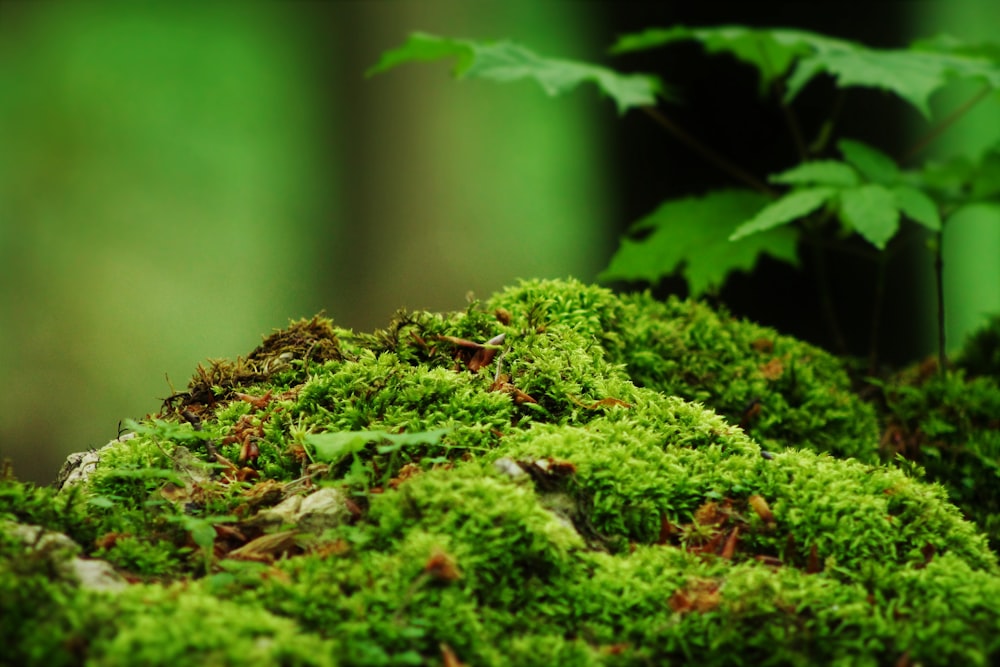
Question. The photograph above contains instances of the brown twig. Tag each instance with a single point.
(947, 122)
(707, 153)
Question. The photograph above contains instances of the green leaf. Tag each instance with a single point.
(873, 164)
(917, 206)
(961, 179)
(950, 178)
(399, 440)
(203, 534)
(770, 52)
(177, 432)
(948, 44)
(692, 234)
(336, 446)
(507, 61)
(792, 206)
(986, 183)
(818, 172)
(871, 210)
(912, 74)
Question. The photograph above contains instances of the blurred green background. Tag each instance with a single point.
(179, 179)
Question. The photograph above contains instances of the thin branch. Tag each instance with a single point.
(939, 279)
(878, 303)
(826, 300)
(708, 154)
(793, 127)
(818, 144)
(778, 87)
(947, 122)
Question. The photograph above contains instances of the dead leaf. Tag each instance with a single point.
(772, 561)
(812, 564)
(442, 567)
(708, 514)
(700, 595)
(266, 548)
(760, 506)
(730, 547)
(448, 657)
(667, 529)
(608, 402)
(927, 552)
(773, 369)
(502, 383)
(258, 402)
(406, 472)
(481, 359)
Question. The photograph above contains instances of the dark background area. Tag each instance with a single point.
(722, 107)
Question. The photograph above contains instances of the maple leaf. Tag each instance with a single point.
(866, 191)
(913, 74)
(692, 235)
(508, 61)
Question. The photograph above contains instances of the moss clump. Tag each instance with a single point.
(783, 392)
(950, 425)
(980, 354)
(492, 487)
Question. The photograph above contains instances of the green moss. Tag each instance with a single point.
(950, 425)
(980, 355)
(524, 482)
(171, 625)
(785, 393)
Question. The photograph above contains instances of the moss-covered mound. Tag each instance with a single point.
(950, 425)
(491, 487)
(783, 392)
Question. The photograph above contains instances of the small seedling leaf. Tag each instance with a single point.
(872, 211)
(818, 172)
(873, 164)
(917, 206)
(913, 74)
(334, 447)
(792, 206)
(507, 61)
(399, 440)
(771, 52)
(692, 235)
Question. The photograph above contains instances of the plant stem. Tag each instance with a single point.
(778, 87)
(947, 122)
(818, 144)
(826, 300)
(708, 154)
(796, 131)
(939, 279)
(877, 314)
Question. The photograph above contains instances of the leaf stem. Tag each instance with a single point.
(947, 122)
(877, 305)
(818, 144)
(826, 300)
(939, 280)
(778, 87)
(707, 153)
